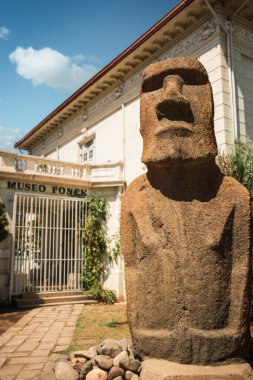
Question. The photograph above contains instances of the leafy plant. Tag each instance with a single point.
(115, 252)
(102, 295)
(239, 164)
(111, 324)
(94, 241)
(3, 222)
(95, 250)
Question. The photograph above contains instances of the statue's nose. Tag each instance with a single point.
(174, 105)
(172, 87)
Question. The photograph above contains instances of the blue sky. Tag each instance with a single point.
(49, 48)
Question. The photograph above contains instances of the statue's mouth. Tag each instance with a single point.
(179, 128)
(175, 117)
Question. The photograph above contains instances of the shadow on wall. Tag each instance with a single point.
(244, 89)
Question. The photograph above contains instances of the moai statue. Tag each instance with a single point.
(185, 229)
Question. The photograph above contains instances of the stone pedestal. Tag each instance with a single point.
(155, 369)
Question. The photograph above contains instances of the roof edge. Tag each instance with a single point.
(177, 9)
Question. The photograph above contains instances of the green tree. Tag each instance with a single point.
(3, 222)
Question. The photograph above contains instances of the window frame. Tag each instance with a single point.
(86, 151)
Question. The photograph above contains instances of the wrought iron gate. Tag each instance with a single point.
(47, 243)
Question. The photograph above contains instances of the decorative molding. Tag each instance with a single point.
(85, 116)
(191, 42)
(54, 135)
(116, 93)
(242, 34)
(59, 132)
(119, 91)
(133, 81)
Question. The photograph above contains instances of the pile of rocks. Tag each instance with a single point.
(111, 360)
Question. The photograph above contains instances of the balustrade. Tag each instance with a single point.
(11, 162)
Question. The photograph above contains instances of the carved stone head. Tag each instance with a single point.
(177, 113)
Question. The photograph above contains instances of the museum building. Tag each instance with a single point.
(91, 144)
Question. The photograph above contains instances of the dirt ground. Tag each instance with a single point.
(9, 316)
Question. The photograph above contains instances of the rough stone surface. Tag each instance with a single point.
(115, 372)
(185, 228)
(104, 362)
(78, 361)
(97, 374)
(77, 367)
(153, 369)
(86, 368)
(87, 354)
(130, 364)
(125, 344)
(110, 347)
(121, 356)
(131, 376)
(65, 371)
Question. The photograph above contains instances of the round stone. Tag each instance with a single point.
(104, 362)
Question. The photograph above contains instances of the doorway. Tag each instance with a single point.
(47, 243)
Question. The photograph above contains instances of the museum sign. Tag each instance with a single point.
(41, 188)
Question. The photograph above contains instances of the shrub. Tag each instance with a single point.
(3, 222)
(100, 294)
(239, 164)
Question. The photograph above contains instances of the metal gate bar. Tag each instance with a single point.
(47, 243)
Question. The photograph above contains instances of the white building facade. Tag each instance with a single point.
(91, 144)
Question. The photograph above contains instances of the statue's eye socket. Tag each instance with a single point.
(189, 77)
(152, 84)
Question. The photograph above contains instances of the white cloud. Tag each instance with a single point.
(4, 33)
(9, 137)
(51, 68)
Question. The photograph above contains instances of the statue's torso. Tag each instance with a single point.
(185, 273)
(182, 245)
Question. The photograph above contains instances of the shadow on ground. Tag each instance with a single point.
(9, 316)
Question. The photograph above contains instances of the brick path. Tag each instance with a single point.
(26, 348)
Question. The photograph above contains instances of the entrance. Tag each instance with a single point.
(47, 243)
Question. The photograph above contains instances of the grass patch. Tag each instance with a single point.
(97, 323)
(111, 324)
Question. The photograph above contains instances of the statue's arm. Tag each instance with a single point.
(127, 232)
(240, 286)
(240, 278)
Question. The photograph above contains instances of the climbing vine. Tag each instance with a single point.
(96, 251)
(3, 222)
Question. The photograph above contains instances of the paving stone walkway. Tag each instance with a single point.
(27, 347)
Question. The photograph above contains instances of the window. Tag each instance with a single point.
(87, 151)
